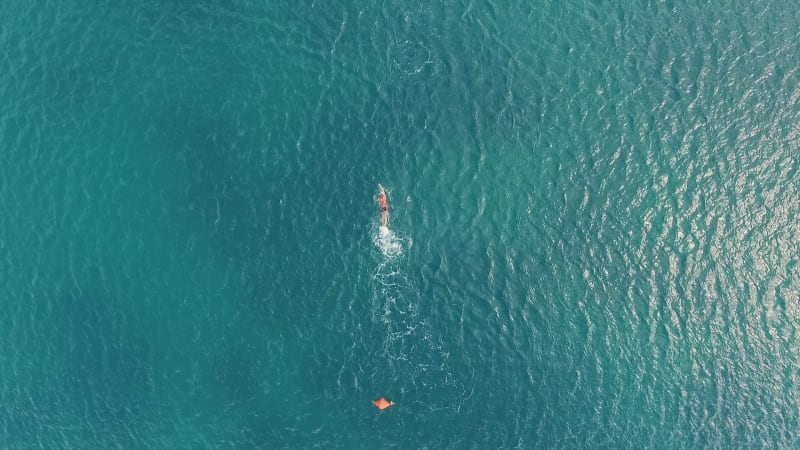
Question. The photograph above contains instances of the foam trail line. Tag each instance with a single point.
(395, 302)
(414, 355)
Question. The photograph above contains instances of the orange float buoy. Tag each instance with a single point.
(382, 403)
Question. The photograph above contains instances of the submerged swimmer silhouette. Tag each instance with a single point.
(384, 205)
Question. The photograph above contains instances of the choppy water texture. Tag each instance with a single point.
(595, 224)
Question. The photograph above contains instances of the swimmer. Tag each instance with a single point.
(384, 205)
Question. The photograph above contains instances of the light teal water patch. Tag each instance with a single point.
(596, 208)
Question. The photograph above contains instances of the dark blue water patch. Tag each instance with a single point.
(276, 412)
(98, 385)
(108, 357)
(236, 365)
(220, 199)
(249, 216)
(260, 217)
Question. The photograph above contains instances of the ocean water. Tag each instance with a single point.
(595, 224)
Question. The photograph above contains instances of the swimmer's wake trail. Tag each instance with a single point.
(417, 362)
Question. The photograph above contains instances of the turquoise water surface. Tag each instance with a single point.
(595, 224)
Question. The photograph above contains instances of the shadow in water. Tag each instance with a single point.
(107, 364)
(89, 379)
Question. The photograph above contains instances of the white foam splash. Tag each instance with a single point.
(391, 244)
